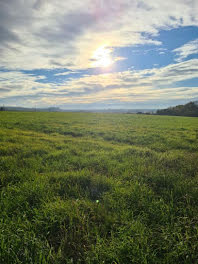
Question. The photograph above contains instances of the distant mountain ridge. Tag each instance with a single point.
(26, 109)
(189, 109)
(57, 109)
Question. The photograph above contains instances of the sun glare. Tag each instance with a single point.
(102, 57)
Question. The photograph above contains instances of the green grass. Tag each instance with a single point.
(98, 188)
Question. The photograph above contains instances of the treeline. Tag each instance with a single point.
(190, 109)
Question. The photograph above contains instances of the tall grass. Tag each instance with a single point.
(98, 188)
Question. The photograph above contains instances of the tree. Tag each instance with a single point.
(190, 109)
(2, 108)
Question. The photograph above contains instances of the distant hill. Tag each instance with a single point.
(190, 109)
(25, 109)
(57, 109)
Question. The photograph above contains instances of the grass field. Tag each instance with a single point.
(98, 188)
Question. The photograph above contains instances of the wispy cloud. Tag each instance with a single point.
(66, 73)
(127, 86)
(187, 49)
(48, 34)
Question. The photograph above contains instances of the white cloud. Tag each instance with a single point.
(127, 86)
(66, 73)
(16, 83)
(64, 34)
(187, 49)
(47, 34)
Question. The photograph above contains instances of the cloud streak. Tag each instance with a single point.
(184, 51)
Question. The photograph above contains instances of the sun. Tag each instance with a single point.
(102, 57)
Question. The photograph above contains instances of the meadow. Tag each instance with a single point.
(98, 188)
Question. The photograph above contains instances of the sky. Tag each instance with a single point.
(98, 54)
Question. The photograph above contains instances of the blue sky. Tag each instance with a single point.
(98, 54)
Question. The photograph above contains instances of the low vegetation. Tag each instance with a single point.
(98, 188)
